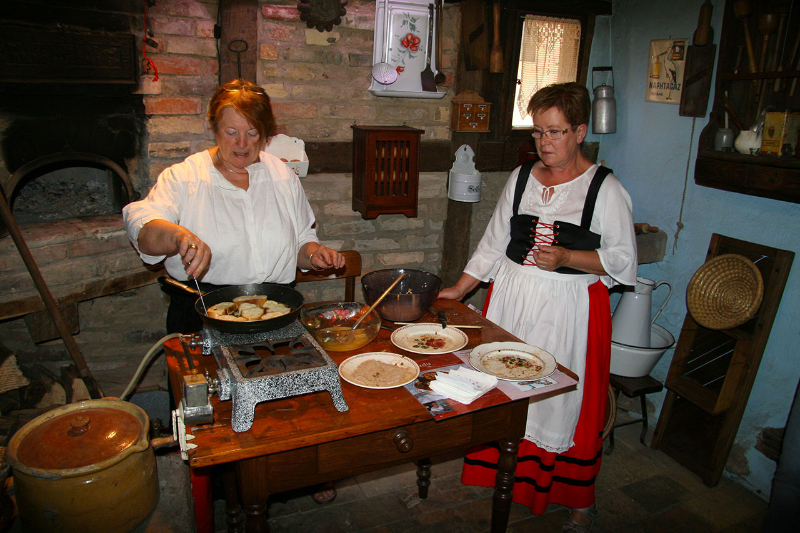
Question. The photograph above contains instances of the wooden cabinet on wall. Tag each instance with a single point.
(750, 93)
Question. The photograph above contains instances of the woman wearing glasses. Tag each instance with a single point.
(561, 233)
(234, 201)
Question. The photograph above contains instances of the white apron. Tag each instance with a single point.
(551, 311)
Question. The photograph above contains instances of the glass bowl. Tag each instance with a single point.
(409, 299)
(331, 324)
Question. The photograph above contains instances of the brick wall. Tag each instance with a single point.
(318, 84)
(317, 81)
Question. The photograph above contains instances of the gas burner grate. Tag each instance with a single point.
(258, 367)
(264, 358)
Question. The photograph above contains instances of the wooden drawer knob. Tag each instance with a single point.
(403, 442)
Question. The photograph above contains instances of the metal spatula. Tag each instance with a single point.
(426, 76)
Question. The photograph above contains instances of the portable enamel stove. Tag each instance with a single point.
(258, 367)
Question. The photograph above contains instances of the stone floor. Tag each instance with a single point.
(638, 490)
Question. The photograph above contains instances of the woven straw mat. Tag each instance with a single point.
(11, 376)
(725, 292)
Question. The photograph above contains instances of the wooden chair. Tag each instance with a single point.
(351, 270)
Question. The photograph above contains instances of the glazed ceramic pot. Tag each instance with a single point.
(86, 466)
(748, 141)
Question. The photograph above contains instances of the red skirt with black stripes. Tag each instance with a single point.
(568, 478)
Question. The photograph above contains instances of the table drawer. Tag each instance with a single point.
(402, 443)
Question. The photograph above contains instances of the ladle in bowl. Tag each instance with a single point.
(378, 300)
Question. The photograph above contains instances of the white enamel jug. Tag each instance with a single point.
(631, 320)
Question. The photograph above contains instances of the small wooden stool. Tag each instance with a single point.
(633, 387)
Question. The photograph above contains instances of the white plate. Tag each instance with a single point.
(348, 368)
(413, 338)
(490, 359)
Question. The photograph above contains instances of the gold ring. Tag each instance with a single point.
(193, 245)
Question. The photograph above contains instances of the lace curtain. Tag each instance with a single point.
(549, 54)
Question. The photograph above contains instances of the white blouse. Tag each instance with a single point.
(612, 220)
(254, 235)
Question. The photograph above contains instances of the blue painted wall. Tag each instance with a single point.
(650, 152)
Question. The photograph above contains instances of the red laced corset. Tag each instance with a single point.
(539, 237)
(542, 234)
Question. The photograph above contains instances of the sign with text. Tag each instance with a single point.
(665, 70)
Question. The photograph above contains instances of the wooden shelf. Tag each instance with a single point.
(765, 176)
(759, 75)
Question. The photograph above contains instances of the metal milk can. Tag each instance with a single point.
(604, 107)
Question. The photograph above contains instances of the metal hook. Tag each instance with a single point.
(238, 53)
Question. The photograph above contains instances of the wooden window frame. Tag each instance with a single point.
(547, 9)
(498, 149)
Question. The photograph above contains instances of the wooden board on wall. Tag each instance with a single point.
(691, 428)
(475, 34)
(239, 21)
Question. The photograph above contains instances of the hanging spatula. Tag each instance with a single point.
(426, 76)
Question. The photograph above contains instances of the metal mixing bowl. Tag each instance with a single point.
(409, 299)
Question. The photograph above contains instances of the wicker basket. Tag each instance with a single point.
(725, 292)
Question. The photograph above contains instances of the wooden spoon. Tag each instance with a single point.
(767, 25)
(379, 299)
(742, 10)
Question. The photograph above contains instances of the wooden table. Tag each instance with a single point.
(303, 440)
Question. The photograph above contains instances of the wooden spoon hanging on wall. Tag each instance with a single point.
(742, 10)
(783, 41)
(767, 25)
(496, 57)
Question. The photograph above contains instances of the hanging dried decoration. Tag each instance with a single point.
(322, 14)
(149, 61)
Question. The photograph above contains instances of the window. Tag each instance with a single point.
(549, 51)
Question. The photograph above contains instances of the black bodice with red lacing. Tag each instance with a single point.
(525, 237)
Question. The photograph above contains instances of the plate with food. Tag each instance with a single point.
(379, 370)
(429, 338)
(512, 361)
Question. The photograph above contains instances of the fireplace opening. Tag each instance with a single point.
(70, 151)
(70, 188)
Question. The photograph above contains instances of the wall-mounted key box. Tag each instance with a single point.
(468, 112)
(385, 170)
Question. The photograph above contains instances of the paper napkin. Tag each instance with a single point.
(463, 385)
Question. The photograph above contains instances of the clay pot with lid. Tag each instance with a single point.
(86, 466)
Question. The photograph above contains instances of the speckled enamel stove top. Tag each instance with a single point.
(258, 367)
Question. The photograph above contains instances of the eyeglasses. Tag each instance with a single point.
(256, 89)
(550, 134)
